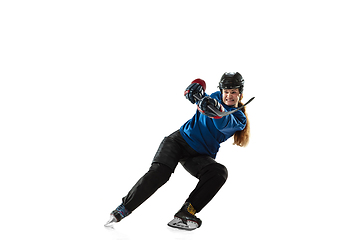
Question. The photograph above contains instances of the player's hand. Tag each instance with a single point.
(204, 104)
(197, 87)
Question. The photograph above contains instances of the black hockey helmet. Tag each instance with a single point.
(231, 80)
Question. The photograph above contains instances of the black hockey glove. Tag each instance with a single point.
(208, 101)
(198, 87)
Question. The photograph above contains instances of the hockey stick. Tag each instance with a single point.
(223, 114)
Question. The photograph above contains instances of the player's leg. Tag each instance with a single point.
(212, 177)
(170, 151)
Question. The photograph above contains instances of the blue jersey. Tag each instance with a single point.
(205, 134)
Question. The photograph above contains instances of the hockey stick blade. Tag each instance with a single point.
(223, 114)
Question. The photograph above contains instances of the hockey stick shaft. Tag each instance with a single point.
(222, 114)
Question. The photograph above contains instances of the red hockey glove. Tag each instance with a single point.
(198, 87)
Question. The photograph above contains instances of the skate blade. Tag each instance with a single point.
(111, 221)
(178, 223)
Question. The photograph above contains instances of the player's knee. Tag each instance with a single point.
(162, 172)
(215, 170)
(221, 171)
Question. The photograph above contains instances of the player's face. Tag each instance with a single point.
(231, 97)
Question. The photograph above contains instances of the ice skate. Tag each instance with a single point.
(117, 215)
(185, 218)
(114, 218)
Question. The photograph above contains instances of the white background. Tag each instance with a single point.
(90, 88)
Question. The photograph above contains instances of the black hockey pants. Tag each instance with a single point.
(172, 150)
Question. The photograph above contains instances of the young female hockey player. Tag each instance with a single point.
(195, 146)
